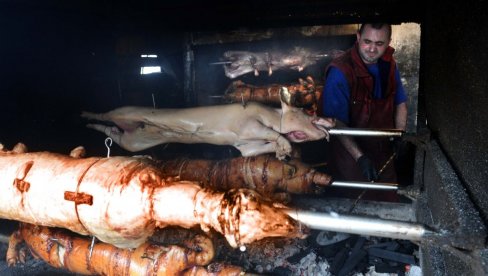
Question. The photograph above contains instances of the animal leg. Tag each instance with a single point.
(14, 253)
(112, 132)
(256, 148)
(283, 148)
(270, 139)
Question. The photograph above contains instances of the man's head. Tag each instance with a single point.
(373, 39)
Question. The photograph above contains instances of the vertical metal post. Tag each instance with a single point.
(189, 72)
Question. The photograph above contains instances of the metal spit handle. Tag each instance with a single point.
(361, 225)
(366, 132)
(365, 185)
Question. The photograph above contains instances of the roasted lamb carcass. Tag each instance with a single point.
(122, 200)
(264, 173)
(63, 249)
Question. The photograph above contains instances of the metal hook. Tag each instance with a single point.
(242, 100)
(153, 100)
(108, 140)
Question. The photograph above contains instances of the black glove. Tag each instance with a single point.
(399, 145)
(367, 168)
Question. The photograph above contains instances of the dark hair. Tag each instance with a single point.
(377, 26)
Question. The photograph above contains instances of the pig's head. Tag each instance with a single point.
(299, 126)
(246, 217)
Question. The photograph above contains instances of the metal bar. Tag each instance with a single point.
(190, 96)
(365, 185)
(366, 132)
(360, 225)
(221, 63)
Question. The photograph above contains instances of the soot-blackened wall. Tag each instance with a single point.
(455, 90)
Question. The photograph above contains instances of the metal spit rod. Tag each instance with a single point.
(361, 225)
(366, 132)
(365, 185)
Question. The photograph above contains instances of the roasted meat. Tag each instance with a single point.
(122, 200)
(63, 249)
(264, 173)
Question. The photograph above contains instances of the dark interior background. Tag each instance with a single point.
(58, 58)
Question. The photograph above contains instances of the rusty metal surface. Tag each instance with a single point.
(243, 35)
(406, 41)
(445, 205)
(455, 85)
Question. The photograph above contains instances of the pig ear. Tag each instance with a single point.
(285, 97)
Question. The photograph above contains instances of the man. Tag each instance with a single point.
(363, 90)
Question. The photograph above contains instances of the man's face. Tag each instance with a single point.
(373, 43)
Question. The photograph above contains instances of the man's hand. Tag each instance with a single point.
(367, 168)
(399, 145)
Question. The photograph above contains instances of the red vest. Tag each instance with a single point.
(366, 112)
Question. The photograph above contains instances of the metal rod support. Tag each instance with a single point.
(366, 185)
(366, 132)
(220, 63)
(361, 225)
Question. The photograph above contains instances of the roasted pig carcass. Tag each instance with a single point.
(304, 94)
(253, 129)
(122, 200)
(63, 249)
(264, 173)
(238, 63)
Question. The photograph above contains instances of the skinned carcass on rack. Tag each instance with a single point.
(253, 129)
(264, 173)
(238, 63)
(122, 200)
(63, 249)
(304, 94)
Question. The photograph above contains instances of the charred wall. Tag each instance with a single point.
(454, 86)
(58, 60)
(445, 205)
